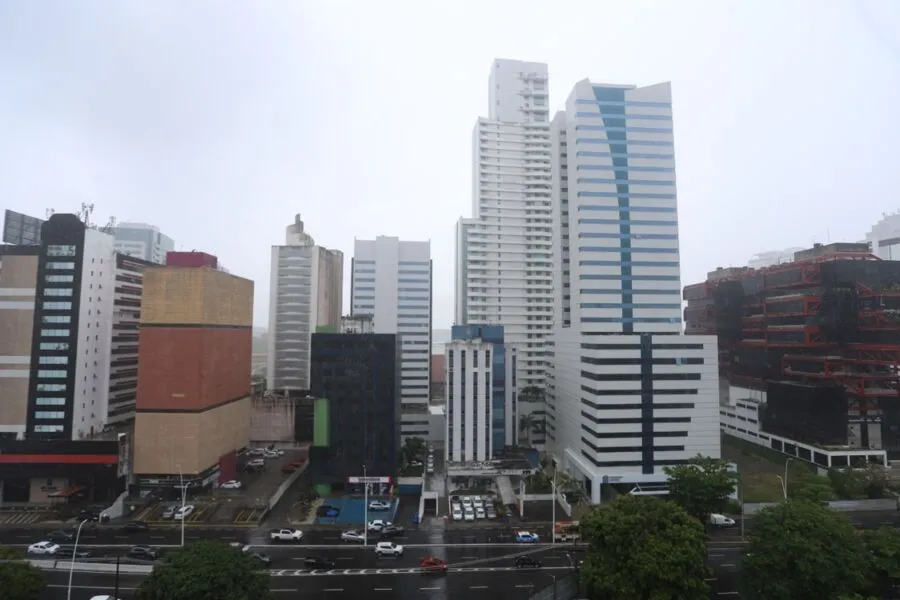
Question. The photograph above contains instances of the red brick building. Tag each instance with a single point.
(193, 397)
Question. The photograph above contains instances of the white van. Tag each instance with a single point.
(717, 520)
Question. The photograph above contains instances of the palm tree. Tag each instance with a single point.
(526, 425)
(573, 489)
(531, 393)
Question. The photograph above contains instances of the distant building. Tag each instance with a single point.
(143, 241)
(193, 394)
(355, 380)
(773, 257)
(306, 293)
(391, 280)
(438, 375)
(357, 324)
(884, 237)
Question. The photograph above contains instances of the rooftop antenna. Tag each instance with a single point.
(85, 213)
(110, 225)
(49, 213)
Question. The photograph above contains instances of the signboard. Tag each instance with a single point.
(368, 480)
(21, 230)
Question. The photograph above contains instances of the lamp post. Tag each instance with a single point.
(365, 508)
(183, 490)
(553, 528)
(72, 564)
(785, 480)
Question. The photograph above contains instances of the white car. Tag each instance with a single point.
(273, 453)
(379, 505)
(43, 548)
(234, 484)
(388, 549)
(457, 515)
(479, 513)
(352, 536)
(478, 503)
(467, 502)
(183, 512)
(377, 525)
(469, 515)
(104, 598)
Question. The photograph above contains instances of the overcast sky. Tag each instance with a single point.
(219, 120)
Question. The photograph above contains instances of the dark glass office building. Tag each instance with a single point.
(355, 380)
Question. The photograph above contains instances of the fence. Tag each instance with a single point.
(560, 588)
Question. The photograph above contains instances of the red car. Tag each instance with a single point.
(293, 466)
(430, 564)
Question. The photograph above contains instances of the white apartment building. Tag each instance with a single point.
(503, 257)
(143, 241)
(392, 281)
(884, 237)
(306, 292)
(628, 393)
(469, 392)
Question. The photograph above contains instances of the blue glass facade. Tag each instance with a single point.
(492, 334)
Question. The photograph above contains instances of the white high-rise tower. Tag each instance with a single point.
(628, 394)
(504, 269)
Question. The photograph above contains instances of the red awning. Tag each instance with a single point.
(67, 493)
(64, 459)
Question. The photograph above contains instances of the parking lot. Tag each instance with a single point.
(245, 506)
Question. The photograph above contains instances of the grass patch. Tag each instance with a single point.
(760, 468)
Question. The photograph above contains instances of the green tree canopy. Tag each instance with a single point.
(802, 550)
(414, 448)
(884, 555)
(642, 547)
(702, 486)
(19, 580)
(206, 570)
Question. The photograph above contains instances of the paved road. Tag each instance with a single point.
(725, 560)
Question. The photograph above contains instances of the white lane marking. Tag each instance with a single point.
(284, 591)
(717, 556)
(429, 589)
(86, 587)
(727, 594)
(383, 589)
(727, 565)
(477, 587)
(710, 579)
(525, 586)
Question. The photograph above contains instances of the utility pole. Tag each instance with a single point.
(116, 593)
(366, 507)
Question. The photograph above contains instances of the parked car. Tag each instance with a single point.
(135, 527)
(285, 535)
(377, 525)
(43, 548)
(292, 466)
(183, 512)
(169, 512)
(104, 597)
(61, 536)
(388, 549)
(256, 462)
(457, 515)
(379, 505)
(352, 536)
(261, 557)
(430, 564)
(143, 553)
(467, 502)
(469, 514)
(70, 552)
(527, 537)
(318, 562)
(527, 562)
(233, 484)
(479, 513)
(718, 520)
(392, 531)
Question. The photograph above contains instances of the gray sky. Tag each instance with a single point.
(217, 121)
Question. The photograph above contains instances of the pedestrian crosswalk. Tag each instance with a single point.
(22, 517)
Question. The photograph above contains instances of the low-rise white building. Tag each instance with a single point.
(469, 391)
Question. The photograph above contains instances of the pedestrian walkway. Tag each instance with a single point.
(507, 494)
(23, 517)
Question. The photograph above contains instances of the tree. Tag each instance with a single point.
(802, 550)
(812, 488)
(413, 448)
(884, 556)
(526, 425)
(702, 486)
(204, 570)
(642, 547)
(18, 579)
(531, 393)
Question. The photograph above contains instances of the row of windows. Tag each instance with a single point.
(634, 306)
(625, 181)
(639, 376)
(54, 333)
(636, 223)
(656, 346)
(48, 374)
(625, 103)
(628, 155)
(57, 306)
(50, 401)
(637, 361)
(51, 387)
(59, 319)
(364, 279)
(628, 236)
(54, 345)
(623, 116)
(598, 291)
(59, 278)
(49, 414)
(629, 277)
(624, 129)
(627, 263)
(624, 195)
(412, 289)
(48, 428)
(629, 168)
(363, 288)
(660, 143)
(53, 360)
(401, 324)
(57, 250)
(60, 266)
(629, 209)
(58, 291)
(632, 250)
(672, 320)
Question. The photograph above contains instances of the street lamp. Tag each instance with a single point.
(365, 508)
(785, 480)
(72, 564)
(183, 490)
(553, 504)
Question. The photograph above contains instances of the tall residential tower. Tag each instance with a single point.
(306, 292)
(391, 280)
(504, 269)
(629, 394)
